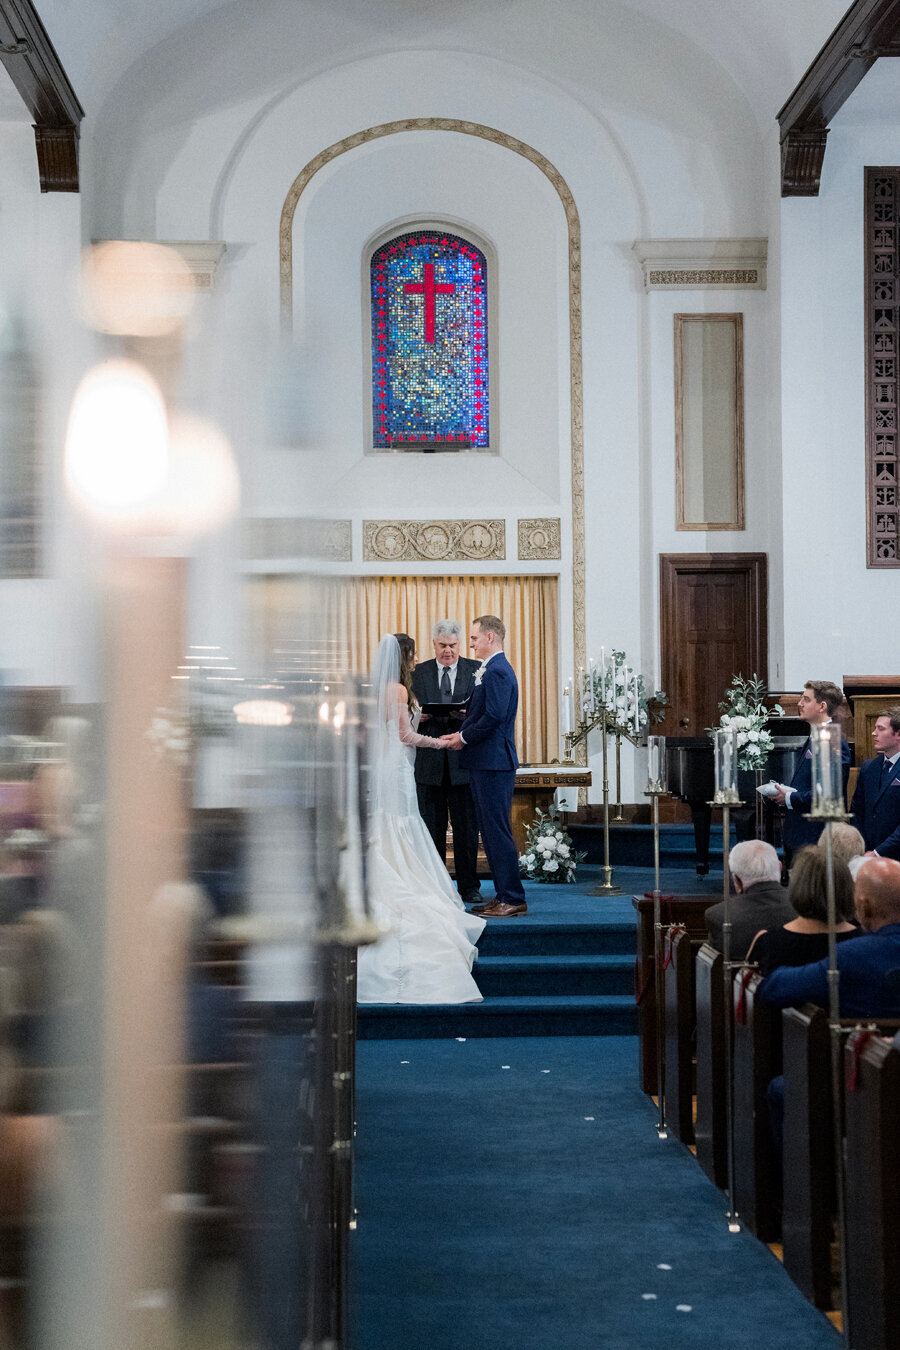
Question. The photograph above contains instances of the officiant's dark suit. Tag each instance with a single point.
(442, 784)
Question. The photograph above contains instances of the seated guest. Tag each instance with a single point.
(846, 842)
(805, 937)
(876, 801)
(868, 967)
(760, 900)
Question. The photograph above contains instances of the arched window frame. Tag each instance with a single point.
(467, 234)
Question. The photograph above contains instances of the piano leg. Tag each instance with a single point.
(701, 815)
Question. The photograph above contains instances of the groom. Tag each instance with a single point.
(486, 740)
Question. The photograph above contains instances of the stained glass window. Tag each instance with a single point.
(429, 342)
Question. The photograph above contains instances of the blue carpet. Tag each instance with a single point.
(494, 1216)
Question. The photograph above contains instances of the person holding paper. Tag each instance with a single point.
(442, 784)
(817, 705)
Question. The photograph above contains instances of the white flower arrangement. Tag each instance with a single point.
(744, 708)
(619, 689)
(549, 853)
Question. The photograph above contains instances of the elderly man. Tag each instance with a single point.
(876, 801)
(817, 705)
(868, 967)
(760, 900)
(442, 784)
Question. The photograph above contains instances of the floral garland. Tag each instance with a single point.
(549, 853)
(619, 689)
(743, 708)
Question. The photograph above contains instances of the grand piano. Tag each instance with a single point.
(689, 773)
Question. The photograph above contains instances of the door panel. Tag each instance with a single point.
(713, 626)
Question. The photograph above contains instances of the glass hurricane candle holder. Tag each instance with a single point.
(725, 766)
(656, 765)
(827, 772)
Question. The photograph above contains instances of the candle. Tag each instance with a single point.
(637, 710)
(603, 675)
(571, 702)
(581, 694)
(567, 712)
(592, 700)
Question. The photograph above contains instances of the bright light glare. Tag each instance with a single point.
(137, 289)
(117, 440)
(204, 488)
(263, 712)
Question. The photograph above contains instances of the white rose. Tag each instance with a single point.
(752, 735)
(742, 738)
(523, 859)
(726, 720)
(530, 860)
(563, 850)
(549, 843)
(551, 865)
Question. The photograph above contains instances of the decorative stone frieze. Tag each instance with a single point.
(433, 540)
(702, 264)
(540, 540)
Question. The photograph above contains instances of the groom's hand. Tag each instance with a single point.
(453, 742)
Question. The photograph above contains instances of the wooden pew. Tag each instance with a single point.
(684, 909)
(710, 1126)
(808, 1200)
(757, 1060)
(678, 978)
(872, 1120)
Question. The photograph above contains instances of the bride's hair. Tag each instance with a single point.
(407, 666)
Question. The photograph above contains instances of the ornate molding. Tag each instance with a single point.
(702, 264)
(540, 540)
(266, 537)
(882, 288)
(433, 540)
(802, 159)
(202, 256)
(573, 224)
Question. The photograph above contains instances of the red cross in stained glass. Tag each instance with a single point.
(427, 288)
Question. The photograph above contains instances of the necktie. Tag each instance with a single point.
(446, 691)
(885, 770)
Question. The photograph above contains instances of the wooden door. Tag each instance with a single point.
(713, 626)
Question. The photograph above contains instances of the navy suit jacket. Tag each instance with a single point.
(426, 683)
(489, 728)
(799, 831)
(868, 983)
(876, 809)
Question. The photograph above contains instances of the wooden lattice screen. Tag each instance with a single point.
(882, 267)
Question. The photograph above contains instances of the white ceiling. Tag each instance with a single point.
(763, 46)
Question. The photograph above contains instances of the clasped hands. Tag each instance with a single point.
(453, 741)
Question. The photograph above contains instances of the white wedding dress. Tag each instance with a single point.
(428, 945)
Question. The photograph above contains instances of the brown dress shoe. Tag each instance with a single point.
(501, 909)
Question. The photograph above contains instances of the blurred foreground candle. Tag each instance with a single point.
(566, 712)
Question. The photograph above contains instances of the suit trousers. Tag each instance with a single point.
(437, 802)
(492, 792)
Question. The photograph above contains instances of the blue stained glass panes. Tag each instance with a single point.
(429, 341)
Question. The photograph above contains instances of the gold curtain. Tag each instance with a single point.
(356, 612)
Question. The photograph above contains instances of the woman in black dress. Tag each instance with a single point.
(805, 939)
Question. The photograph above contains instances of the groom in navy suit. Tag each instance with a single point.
(817, 705)
(487, 742)
(876, 801)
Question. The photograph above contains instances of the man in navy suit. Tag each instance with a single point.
(442, 784)
(876, 801)
(817, 705)
(868, 967)
(487, 741)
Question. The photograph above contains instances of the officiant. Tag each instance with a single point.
(442, 786)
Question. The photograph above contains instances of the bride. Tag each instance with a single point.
(427, 950)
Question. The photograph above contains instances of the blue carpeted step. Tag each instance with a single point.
(575, 1015)
(632, 845)
(528, 936)
(521, 976)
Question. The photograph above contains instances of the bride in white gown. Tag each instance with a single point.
(428, 947)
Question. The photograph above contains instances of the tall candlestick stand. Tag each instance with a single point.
(728, 968)
(607, 886)
(828, 806)
(618, 816)
(656, 787)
